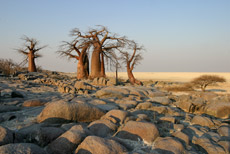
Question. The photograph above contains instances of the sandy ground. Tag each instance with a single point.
(168, 76)
(178, 77)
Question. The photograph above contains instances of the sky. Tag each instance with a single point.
(178, 35)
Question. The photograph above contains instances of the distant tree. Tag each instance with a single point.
(30, 49)
(67, 49)
(205, 80)
(131, 58)
(102, 41)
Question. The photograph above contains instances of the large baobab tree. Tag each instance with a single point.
(102, 41)
(80, 49)
(131, 59)
(30, 49)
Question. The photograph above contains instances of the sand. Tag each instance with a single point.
(168, 76)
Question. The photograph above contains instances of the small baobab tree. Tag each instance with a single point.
(102, 41)
(131, 58)
(77, 50)
(204, 80)
(30, 50)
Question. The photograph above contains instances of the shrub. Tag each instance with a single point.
(184, 87)
(9, 67)
(205, 80)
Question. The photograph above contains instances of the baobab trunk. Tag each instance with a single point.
(102, 65)
(31, 62)
(83, 66)
(95, 64)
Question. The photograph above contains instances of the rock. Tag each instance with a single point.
(209, 147)
(202, 121)
(168, 145)
(168, 119)
(21, 148)
(139, 130)
(6, 136)
(219, 110)
(32, 103)
(126, 104)
(69, 111)
(67, 142)
(103, 93)
(102, 128)
(159, 109)
(224, 130)
(144, 106)
(161, 100)
(8, 108)
(225, 145)
(83, 85)
(116, 116)
(182, 137)
(97, 145)
(39, 134)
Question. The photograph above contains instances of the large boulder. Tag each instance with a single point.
(6, 136)
(69, 111)
(102, 128)
(39, 134)
(224, 130)
(202, 121)
(97, 145)
(134, 130)
(219, 110)
(67, 142)
(116, 116)
(169, 145)
(208, 146)
(21, 148)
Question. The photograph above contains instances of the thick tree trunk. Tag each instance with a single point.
(83, 66)
(31, 62)
(95, 64)
(102, 65)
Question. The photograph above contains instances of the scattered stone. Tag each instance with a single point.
(208, 146)
(97, 145)
(168, 119)
(67, 142)
(21, 148)
(219, 110)
(224, 130)
(102, 128)
(69, 111)
(116, 116)
(202, 121)
(169, 144)
(144, 131)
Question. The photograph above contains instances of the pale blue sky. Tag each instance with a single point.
(178, 35)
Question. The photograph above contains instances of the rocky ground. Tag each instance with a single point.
(52, 113)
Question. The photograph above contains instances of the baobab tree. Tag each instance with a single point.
(131, 58)
(102, 41)
(80, 49)
(30, 50)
